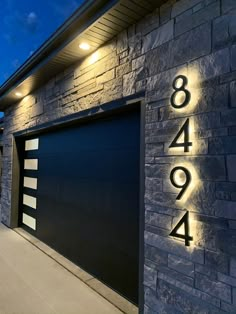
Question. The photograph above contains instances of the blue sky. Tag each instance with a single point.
(25, 25)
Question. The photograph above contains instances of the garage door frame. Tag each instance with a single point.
(122, 105)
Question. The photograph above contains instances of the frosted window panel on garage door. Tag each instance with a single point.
(30, 201)
(30, 183)
(31, 164)
(32, 144)
(29, 221)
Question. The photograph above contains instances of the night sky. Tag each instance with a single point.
(25, 25)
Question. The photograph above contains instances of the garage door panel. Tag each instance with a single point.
(88, 197)
(104, 170)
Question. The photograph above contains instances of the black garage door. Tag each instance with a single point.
(81, 196)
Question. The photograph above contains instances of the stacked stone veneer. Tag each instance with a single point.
(196, 38)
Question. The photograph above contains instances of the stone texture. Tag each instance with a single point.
(227, 241)
(225, 78)
(159, 220)
(217, 260)
(231, 162)
(167, 244)
(122, 41)
(166, 272)
(112, 89)
(181, 265)
(210, 168)
(232, 130)
(153, 184)
(108, 76)
(199, 17)
(147, 310)
(165, 11)
(155, 304)
(129, 81)
(228, 307)
(233, 94)
(158, 36)
(202, 199)
(227, 279)
(233, 57)
(187, 300)
(206, 235)
(232, 223)
(233, 267)
(148, 23)
(150, 277)
(123, 69)
(222, 145)
(138, 62)
(152, 253)
(161, 83)
(224, 30)
(225, 209)
(214, 288)
(181, 18)
(206, 270)
(213, 65)
(228, 117)
(182, 6)
(228, 6)
(189, 46)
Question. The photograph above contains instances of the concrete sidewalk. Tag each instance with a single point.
(31, 282)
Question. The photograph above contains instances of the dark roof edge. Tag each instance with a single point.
(85, 15)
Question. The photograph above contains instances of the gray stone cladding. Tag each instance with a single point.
(196, 38)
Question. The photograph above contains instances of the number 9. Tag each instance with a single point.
(184, 185)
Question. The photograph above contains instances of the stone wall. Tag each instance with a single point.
(197, 39)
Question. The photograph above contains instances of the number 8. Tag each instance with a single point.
(177, 89)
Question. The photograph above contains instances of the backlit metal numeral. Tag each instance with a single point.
(183, 186)
(186, 143)
(180, 88)
(185, 236)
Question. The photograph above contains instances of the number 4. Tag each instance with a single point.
(186, 144)
(183, 221)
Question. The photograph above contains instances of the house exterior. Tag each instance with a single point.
(123, 157)
(1, 146)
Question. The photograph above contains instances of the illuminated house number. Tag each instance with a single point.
(180, 98)
(185, 184)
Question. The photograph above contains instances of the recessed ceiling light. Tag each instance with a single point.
(84, 46)
(18, 94)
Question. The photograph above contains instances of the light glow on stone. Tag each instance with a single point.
(193, 87)
(192, 138)
(84, 46)
(194, 183)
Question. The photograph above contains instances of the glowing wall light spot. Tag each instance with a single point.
(94, 57)
(84, 46)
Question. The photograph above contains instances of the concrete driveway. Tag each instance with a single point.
(31, 282)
